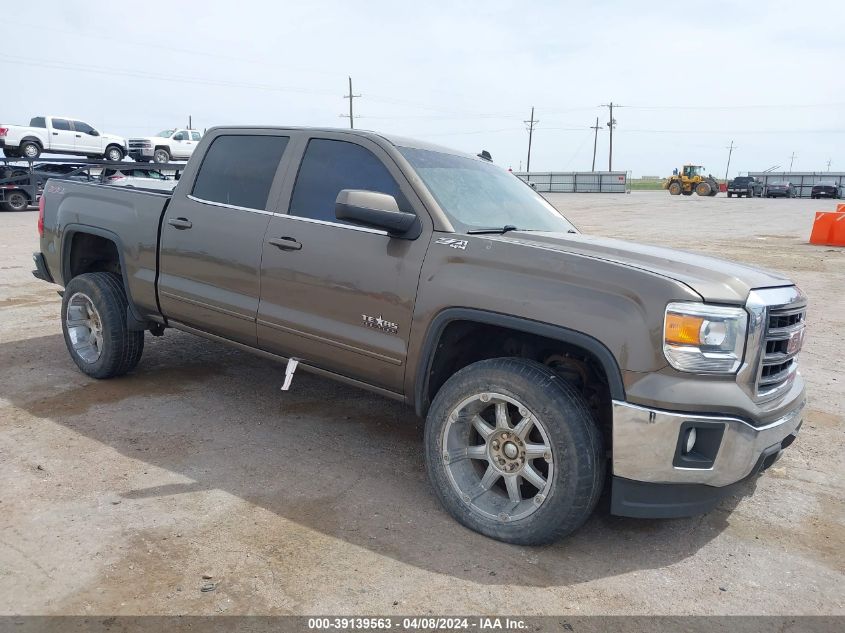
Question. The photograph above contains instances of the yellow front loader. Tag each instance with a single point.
(691, 179)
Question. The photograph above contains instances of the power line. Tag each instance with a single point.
(350, 96)
(531, 123)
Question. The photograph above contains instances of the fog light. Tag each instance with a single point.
(689, 442)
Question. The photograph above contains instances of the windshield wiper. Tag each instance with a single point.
(496, 230)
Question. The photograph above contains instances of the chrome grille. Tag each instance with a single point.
(782, 341)
(139, 143)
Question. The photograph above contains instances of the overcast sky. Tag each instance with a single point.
(770, 76)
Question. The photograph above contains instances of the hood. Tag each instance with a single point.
(716, 280)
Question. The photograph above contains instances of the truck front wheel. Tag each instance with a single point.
(94, 325)
(161, 155)
(513, 452)
(114, 154)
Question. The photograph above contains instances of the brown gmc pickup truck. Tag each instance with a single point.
(544, 360)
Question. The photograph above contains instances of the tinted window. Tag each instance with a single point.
(328, 167)
(79, 126)
(180, 136)
(38, 122)
(61, 124)
(195, 136)
(239, 170)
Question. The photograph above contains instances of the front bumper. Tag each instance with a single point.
(141, 152)
(652, 478)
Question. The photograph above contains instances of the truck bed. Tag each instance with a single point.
(130, 217)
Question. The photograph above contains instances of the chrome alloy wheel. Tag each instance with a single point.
(500, 469)
(84, 327)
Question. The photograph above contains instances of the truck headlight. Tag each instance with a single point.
(703, 338)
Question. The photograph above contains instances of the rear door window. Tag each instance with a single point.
(238, 170)
(61, 124)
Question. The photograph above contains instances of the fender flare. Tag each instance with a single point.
(559, 333)
(72, 229)
(33, 139)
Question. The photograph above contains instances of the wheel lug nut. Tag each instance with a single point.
(547, 456)
(495, 444)
(505, 435)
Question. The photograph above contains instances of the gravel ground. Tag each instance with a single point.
(118, 497)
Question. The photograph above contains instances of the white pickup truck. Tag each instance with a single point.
(165, 146)
(59, 135)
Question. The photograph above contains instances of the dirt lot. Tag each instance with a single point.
(118, 496)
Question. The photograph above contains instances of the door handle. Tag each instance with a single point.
(79, 136)
(55, 133)
(180, 223)
(285, 243)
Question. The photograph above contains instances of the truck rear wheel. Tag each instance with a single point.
(675, 188)
(94, 325)
(30, 150)
(513, 452)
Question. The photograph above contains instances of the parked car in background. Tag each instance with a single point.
(21, 185)
(825, 189)
(142, 177)
(165, 146)
(747, 186)
(59, 135)
(780, 189)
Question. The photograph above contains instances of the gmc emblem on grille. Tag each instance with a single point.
(796, 339)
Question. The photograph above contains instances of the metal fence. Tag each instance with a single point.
(803, 181)
(577, 181)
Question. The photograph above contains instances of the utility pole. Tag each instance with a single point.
(531, 123)
(350, 96)
(792, 160)
(828, 164)
(189, 123)
(727, 169)
(596, 127)
(610, 125)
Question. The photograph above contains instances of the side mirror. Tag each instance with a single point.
(374, 210)
(94, 133)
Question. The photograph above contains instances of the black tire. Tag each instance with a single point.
(113, 154)
(121, 347)
(674, 188)
(15, 201)
(29, 150)
(730, 195)
(161, 155)
(10, 153)
(575, 440)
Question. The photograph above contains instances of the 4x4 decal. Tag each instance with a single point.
(451, 241)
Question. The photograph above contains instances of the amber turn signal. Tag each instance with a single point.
(683, 329)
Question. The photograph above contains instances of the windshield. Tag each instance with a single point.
(165, 133)
(475, 194)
